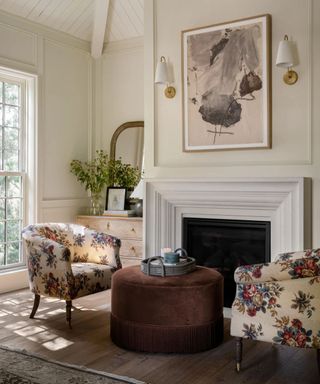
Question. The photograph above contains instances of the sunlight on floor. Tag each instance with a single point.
(27, 331)
(42, 337)
(56, 344)
(17, 325)
(19, 301)
(39, 309)
(24, 313)
(51, 299)
(46, 315)
(8, 302)
(39, 334)
(35, 330)
(79, 308)
(7, 312)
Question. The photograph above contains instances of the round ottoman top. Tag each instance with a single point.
(200, 277)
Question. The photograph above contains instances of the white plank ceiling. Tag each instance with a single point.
(76, 17)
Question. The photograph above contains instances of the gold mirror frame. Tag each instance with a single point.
(123, 127)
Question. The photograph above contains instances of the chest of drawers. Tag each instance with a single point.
(127, 229)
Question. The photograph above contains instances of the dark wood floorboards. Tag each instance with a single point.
(89, 344)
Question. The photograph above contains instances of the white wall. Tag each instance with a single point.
(66, 130)
(118, 96)
(296, 116)
(119, 88)
(63, 66)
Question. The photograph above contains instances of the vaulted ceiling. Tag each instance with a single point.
(77, 17)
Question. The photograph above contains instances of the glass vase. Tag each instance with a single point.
(95, 204)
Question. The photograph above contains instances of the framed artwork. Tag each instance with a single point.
(226, 85)
(116, 198)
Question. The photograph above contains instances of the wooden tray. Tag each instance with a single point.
(154, 266)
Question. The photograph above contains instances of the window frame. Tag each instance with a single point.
(27, 152)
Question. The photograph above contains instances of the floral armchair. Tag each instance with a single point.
(279, 302)
(69, 261)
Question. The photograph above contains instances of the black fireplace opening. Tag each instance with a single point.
(225, 245)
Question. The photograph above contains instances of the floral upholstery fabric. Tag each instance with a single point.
(91, 278)
(279, 302)
(69, 260)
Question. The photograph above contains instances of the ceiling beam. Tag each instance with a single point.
(101, 8)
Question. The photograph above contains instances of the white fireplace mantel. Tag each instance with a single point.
(285, 202)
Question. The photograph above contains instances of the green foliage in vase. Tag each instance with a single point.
(101, 172)
(94, 174)
(123, 175)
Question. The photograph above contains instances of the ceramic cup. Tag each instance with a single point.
(171, 257)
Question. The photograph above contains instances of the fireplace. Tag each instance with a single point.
(226, 244)
(283, 202)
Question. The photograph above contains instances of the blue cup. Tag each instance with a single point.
(171, 257)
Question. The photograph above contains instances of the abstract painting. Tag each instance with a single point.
(226, 85)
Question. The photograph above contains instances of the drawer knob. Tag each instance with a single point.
(108, 225)
(133, 249)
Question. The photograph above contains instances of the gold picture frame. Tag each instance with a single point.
(226, 85)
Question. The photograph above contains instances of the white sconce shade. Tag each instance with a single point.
(285, 56)
(162, 77)
(286, 59)
(138, 191)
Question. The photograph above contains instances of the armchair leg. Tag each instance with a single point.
(318, 359)
(68, 312)
(238, 353)
(35, 305)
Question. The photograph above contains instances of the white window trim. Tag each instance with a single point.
(15, 278)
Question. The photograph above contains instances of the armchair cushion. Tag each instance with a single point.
(90, 278)
(94, 247)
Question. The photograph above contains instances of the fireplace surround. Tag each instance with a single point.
(284, 202)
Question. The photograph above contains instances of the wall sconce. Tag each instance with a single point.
(286, 59)
(162, 77)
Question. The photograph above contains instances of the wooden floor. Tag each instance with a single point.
(89, 344)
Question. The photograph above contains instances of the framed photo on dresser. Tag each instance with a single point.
(116, 199)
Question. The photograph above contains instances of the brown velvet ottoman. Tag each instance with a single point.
(181, 314)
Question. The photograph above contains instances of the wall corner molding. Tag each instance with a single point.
(123, 46)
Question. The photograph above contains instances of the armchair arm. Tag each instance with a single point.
(298, 254)
(282, 269)
(49, 266)
(97, 247)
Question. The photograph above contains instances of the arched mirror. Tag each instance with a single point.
(127, 143)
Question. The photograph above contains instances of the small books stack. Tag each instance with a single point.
(125, 213)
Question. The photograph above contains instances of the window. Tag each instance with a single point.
(15, 118)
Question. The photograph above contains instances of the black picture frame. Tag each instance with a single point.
(116, 198)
